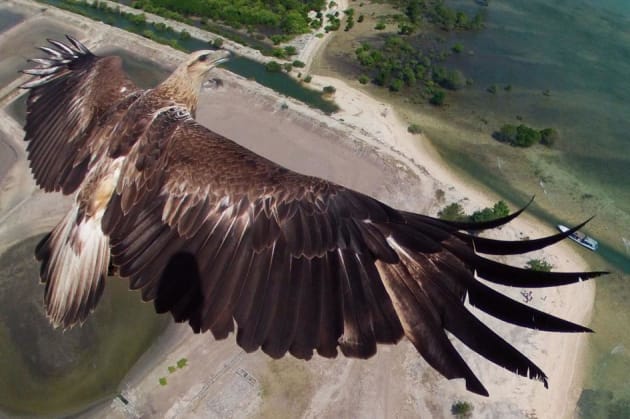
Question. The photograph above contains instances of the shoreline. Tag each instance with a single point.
(365, 120)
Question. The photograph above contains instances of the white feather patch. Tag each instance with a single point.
(78, 264)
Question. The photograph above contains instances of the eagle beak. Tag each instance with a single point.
(219, 56)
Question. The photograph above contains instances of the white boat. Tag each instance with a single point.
(581, 238)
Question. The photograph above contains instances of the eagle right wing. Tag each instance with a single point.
(74, 93)
(220, 236)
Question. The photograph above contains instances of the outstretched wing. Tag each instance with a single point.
(71, 96)
(218, 235)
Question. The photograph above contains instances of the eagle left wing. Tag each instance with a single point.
(218, 235)
(73, 93)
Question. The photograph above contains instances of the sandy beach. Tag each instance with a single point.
(364, 146)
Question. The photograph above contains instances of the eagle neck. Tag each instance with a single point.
(180, 87)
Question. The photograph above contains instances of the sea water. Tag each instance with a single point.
(567, 65)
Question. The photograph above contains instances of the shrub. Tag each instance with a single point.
(457, 48)
(278, 53)
(548, 137)
(329, 90)
(526, 136)
(273, 67)
(363, 79)
(308, 79)
(492, 89)
(520, 136)
(500, 209)
(380, 26)
(184, 35)
(298, 63)
(396, 85)
(217, 42)
(163, 381)
(287, 67)
(538, 265)
(462, 409)
(452, 212)
(414, 129)
(438, 98)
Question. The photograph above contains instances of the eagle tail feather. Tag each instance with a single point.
(75, 262)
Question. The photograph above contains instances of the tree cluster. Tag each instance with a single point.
(398, 65)
(524, 136)
(273, 16)
(455, 212)
(419, 13)
(405, 62)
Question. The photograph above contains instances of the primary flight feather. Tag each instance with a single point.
(223, 238)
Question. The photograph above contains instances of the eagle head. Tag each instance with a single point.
(200, 62)
(184, 84)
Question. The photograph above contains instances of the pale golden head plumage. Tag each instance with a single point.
(184, 83)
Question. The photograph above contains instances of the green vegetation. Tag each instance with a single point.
(397, 65)
(329, 90)
(363, 79)
(524, 136)
(438, 98)
(498, 210)
(461, 409)
(455, 212)
(171, 369)
(349, 19)
(538, 265)
(411, 60)
(162, 381)
(308, 79)
(273, 67)
(333, 22)
(182, 363)
(285, 17)
(217, 42)
(419, 13)
(548, 137)
(298, 63)
(414, 129)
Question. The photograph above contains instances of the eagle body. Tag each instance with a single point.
(227, 240)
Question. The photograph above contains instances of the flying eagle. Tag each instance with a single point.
(224, 238)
